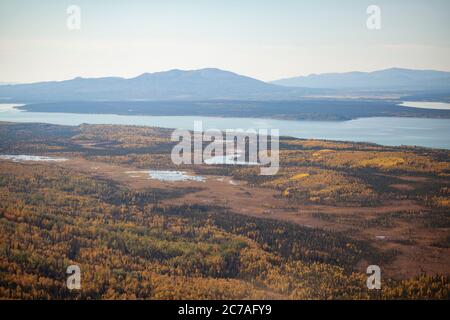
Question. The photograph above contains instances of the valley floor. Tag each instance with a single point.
(239, 196)
(307, 233)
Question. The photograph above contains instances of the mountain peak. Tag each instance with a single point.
(176, 72)
(175, 84)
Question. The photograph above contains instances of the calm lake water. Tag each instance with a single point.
(426, 105)
(24, 157)
(392, 131)
(167, 175)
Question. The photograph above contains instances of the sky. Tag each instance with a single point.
(264, 39)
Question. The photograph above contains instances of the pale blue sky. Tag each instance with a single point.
(266, 39)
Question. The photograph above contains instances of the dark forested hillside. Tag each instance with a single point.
(305, 109)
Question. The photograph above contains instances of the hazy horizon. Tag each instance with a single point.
(209, 67)
(266, 41)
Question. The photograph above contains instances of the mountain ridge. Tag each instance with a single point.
(217, 84)
(175, 84)
(392, 78)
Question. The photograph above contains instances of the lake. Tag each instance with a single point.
(426, 105)
(24, 157)
(391, 131)
(167, 175)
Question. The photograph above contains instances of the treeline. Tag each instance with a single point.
(287, 240)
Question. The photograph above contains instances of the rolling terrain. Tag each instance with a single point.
(307, 233)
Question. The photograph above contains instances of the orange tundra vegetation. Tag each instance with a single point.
(142, 243)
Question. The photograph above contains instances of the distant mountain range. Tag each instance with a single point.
(203, 84)
(216, 84)
(389, 79)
